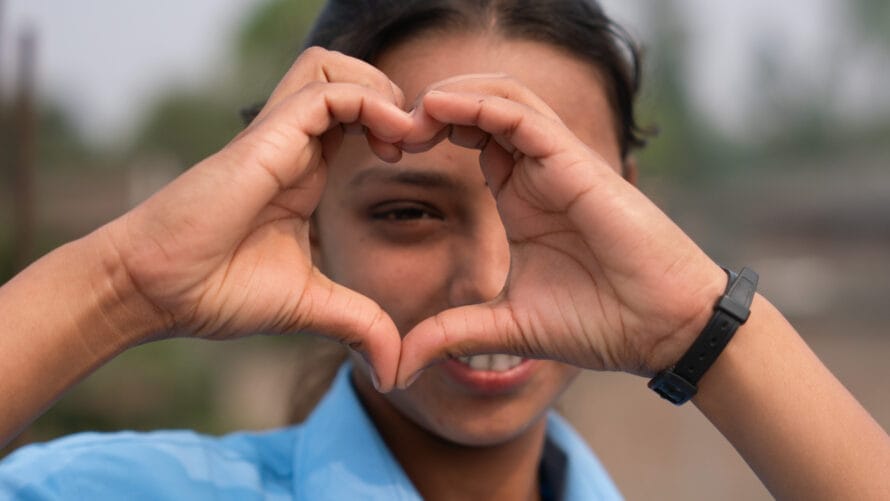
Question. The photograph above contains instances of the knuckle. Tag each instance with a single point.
(314, 54)
(314, 89)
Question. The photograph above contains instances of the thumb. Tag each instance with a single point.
(355, 320)
(458, 332)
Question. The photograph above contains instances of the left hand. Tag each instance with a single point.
(599, 276)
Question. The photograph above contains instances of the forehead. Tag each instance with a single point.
(569, 85)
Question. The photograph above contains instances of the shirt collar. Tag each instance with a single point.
(340, 455)
(584, 476)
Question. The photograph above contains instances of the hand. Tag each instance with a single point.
(223, 251)
(599, 276)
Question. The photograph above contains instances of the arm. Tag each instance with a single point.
(798, 428)
(62, 318)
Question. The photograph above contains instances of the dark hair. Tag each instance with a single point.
(366, 28)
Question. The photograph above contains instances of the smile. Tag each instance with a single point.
(495, 363)
(490, 375)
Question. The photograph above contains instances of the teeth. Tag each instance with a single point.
(496, 363)
(480, 362)
(502, 363)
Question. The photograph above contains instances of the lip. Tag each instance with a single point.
(490, 383)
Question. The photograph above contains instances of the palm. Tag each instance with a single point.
(254, 288)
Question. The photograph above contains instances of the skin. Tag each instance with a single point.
(224, 251)
(430, 225)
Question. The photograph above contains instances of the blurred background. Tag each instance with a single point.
(773, 151)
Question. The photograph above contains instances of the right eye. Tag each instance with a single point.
(406, 221)
(404, 213)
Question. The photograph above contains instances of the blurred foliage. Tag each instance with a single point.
(188, 125)
(271, 38)
(682, 142)
(872, 18)
(60, 143)
(192, 124)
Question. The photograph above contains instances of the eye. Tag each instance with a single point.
(407, 222)
(404, 212)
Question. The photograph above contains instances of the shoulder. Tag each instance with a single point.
(176, 464)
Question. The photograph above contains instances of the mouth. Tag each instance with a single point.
(495, 363)
(490, 375)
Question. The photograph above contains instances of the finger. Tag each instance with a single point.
(497, 166)
(503, 129)
(500, 85)
(356, 321)
(458, 332)
(513, 124)
(469, 137)
(280, 148)
(492, 84)
(316, 64)
(425, 133)
(238, 182)
(386, 151)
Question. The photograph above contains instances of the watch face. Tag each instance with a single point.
(672, 387)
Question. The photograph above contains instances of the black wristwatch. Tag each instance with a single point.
(678, 383)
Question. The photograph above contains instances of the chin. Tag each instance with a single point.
(464, 416)
(485, 432)
(464, 411)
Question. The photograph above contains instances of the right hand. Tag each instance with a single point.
(599, 277)
(223, 251)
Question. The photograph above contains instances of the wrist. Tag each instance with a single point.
(679, 382)
(694, 313)
(125, 314)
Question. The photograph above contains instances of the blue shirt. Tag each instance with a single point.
(336, 454)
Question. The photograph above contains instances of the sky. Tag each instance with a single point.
(105, 60)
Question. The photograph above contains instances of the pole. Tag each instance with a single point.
(23, 168)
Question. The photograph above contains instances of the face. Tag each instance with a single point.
(424, 235)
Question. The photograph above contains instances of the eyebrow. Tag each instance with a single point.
(401, 175)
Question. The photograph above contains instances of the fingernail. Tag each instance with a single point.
(375, 380)
(412, 379)
(396, 91)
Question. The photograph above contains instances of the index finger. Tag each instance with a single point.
(514, 125)
(317, 64)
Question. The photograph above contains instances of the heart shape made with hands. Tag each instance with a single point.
(532, 163)
(578, 233)
(592, 259)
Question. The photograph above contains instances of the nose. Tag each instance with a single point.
(480, 264)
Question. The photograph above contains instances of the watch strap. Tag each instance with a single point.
(678, 383)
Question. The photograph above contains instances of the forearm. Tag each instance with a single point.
(62, 318)
(797, 427)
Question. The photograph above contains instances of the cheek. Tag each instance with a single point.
(407, 282)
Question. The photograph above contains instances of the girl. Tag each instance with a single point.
(452, 197)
